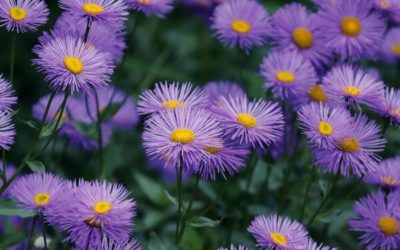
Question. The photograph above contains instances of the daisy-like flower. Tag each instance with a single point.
(351, 85)
(108, 244)
(312, 245)
(386, 175)
(323, 125)
(389, 7)
(232, 247)
(23, 15)
(295, 29)
(7, 130)
(356, 151)
(275, 232)
(224, 160)
(241, 23)
(351, 29)
(68, 62)
(316, 93)
(39, 191)
(158, 8)
(7, 94)
(391, 45)
(181, 134)
(169, 96)
(93, 210)
(256, 122)
(218, 89)
(110, 12)
(388, 105)
(287, 73)
(377, 217)
(102, 37)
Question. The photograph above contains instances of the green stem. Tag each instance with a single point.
(99, 136)
(31, 233)
(321, 205)
(186, 215)
(3, 172)
(179, 186)
(305, 199)
(252, 164)
(44, 232)
(12, 59)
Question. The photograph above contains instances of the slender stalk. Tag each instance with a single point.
(3, 172)
(31, 233)
(99, 135)
(310, 181)
(321, 205)
(12, 57)
(88, 26)
(179, 186)
(241, 63)
(186, 215)
(252, 164)
(43, 231)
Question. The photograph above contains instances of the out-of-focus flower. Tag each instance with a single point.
(386, 175)
(312, 245)
(158, 8)
(391, 45)
(389, 7)
(217, 89)
(7, 130)
(7, 94)
(389, 105)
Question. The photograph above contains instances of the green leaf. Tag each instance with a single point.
(204, 222)
(88, 130)
(171, 198)
(49, 128)
(323, 186)
(110, 111)
(155, 243)
(36, 166)
(30, 123)
(10, 208)
(152, 189)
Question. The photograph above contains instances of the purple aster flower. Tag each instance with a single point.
(391, 45)
(256, 122)
(314, 94)
(23, 15)
(352, 86)
(7, 94)
(93, 210)
(287, 73)
(101, 36)
(312, 245)
(109, 12)
(68, 62)
(7, 130)
(241, 23)
(232, 247)
(377, 217)
(108, 244)
(181, 134)
(387, 174)
(215, 90)
(389, 7)
(356, 151)
(295, 29)
(225, 160)
(125, 117)
(169, 96)
(39, 191)
(275, 232)
(158, 8)
(351, 29)
(323, 125)
(325, 3)
(388, 105)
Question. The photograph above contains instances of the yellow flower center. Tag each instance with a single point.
(212, 150)
(92, 9)
(350, 90)
(351, 26)
(241, 26)
(41, 199)
(317, 94)
(389, 181)
(325, 128)
(302, 37)
(395, 112)
(388, 225)
(285, 76)
(102, 207)
(278, 239)
(182, 136)
(144, 1)
(73, 64)
(396, 49)
(17, 14)
(246, 120)
(350, 145)
(172, 104)
(384, 4)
